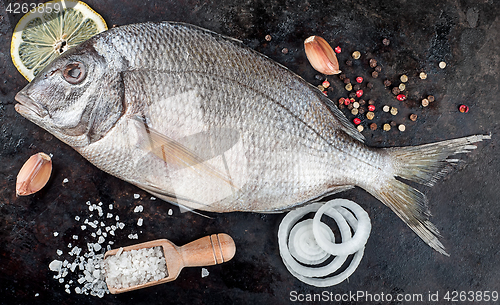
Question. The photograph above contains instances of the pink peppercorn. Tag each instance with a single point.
(401, 97)
(347, 101)
(463, 108)
(371, 107)
(357, 121)
(359, 93)
(338, 49)
(359, 79)
(326, 84)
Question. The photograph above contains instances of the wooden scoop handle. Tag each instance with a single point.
(208, 251)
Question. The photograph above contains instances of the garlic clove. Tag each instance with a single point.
(34, 174)
(321, 55)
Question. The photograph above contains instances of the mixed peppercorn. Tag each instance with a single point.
(358, 89)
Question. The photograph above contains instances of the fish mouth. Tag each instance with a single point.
(28, 106)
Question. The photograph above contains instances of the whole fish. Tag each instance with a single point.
(200, 120)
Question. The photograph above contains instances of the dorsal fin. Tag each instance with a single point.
(274, 78)
(345, 126)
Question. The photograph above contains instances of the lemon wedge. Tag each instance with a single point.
(49, 30)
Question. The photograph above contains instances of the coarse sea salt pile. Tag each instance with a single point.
(135, 267)
(87, 262)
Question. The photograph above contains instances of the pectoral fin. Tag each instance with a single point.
(178, 156)
(198, 149)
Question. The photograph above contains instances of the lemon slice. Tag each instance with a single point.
(49, 30)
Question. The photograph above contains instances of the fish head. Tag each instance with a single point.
(77, 98)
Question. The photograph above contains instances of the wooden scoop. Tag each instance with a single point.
(206, 251)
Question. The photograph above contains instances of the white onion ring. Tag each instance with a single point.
(303, 246)
(335, 209)
(362, 230)
(292, 265)
(333, 280)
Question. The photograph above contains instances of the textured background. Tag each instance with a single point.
(465, 34)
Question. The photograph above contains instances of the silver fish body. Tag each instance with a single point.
(200, 120)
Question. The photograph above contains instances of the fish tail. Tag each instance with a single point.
(424, 164)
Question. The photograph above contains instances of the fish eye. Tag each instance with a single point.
(74, 73)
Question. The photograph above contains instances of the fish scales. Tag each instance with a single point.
(187, 49)
(200, 120)
(244, 71)
(278, 143)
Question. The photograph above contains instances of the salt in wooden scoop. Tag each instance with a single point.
(206, 251)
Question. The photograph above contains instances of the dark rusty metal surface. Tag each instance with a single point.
(465, 205)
